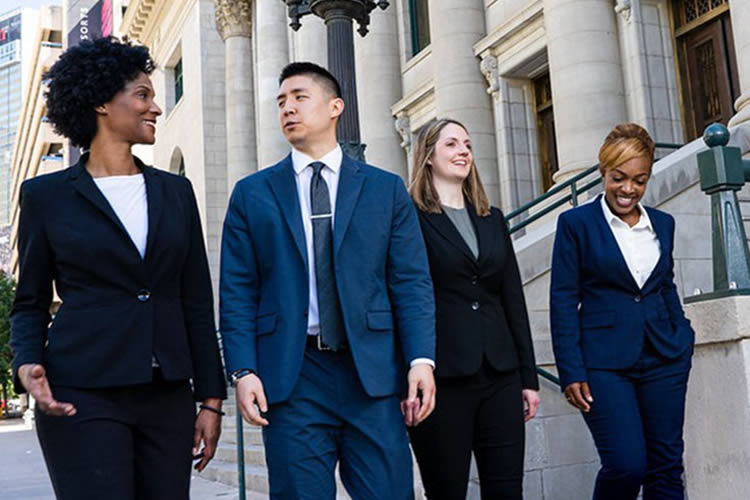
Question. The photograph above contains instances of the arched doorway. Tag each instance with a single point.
(707, 62)
(177, 162)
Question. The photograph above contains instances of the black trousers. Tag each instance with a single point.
(482, 413)
(124, 443)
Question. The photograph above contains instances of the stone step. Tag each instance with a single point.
(254, 454)
(250, 435)
(256, 478)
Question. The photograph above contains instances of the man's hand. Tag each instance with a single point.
(208, 430)
(530, 403)
(34, 379)
(420, 380)
(250, 397)
(578, 394)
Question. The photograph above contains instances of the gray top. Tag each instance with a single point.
(460, 218)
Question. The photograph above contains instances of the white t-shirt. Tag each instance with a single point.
(126, 195)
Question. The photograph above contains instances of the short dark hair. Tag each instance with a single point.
(89, 75)
(317, 73)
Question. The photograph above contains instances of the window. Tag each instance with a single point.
(545, 122)
(420, 25)
(178, 81)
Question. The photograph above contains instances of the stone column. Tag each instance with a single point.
(586, 76)
(233, 22)
(272, 46)
(460, 88)
(739, 10)
(378, 88)
(310, 43)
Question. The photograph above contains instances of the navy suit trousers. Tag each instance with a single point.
(329, 418)
(637, 421)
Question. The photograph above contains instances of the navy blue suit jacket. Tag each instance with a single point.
(381, 270)
(599, 316)
(117, 308)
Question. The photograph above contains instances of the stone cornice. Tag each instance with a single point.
(234, 18)
(137, 17)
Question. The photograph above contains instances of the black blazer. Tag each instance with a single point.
(479, 303)
(117, 308)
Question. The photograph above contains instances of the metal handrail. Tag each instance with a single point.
(571, 197)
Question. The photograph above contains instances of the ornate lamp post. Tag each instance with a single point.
(338, 16)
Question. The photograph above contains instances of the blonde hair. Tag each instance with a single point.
(625, 142)
(422, 189)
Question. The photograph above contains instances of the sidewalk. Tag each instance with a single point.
(23, 474)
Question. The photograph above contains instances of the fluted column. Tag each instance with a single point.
(586, 76)
(234, 23)
(455, 26)
(739, 11)
(378, 88)
(272, 45)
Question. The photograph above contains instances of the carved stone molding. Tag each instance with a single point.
(624, 8)
(403, 127)
(489, 69)
(234, 18)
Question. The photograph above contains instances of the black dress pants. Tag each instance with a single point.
(482, 413)
(124, 443)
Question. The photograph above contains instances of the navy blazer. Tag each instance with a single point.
(117, 308)
(599, 316)
(381, 270)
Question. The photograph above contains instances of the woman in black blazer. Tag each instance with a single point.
(486, 374)
(123, 246)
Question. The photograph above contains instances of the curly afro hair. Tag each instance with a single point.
(89, 75)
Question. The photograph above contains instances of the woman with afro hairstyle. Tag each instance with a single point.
(122, 243)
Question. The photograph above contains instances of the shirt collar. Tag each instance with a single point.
(332, 160)
(643, 222)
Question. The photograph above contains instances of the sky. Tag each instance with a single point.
(8, 5)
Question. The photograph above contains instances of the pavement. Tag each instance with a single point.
(23, 474)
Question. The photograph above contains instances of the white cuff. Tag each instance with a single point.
(422, 361)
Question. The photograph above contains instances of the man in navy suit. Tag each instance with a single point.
(326, 303)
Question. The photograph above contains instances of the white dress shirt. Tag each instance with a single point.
(639, 245)
(301, 164)
(126, 195)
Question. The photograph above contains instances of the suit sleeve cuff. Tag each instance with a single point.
(422, 361)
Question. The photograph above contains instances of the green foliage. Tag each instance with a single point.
(7, 292)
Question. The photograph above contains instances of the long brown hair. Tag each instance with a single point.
(422, 189)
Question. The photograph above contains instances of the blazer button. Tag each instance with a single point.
(637, 298)
(143, 295)
(475, 305)
(305, 314)
(474, 279)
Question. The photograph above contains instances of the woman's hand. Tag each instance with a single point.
(208, 430)
(578, 394)
(34, 379)
(530, 403)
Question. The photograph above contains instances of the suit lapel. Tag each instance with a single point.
(486, 233)
(84, 184)
(614, 248)
(350, 185)
(284, 187)
(155, 196)
(662, 234)
(447, 230)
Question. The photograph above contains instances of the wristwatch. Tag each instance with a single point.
(238, 374)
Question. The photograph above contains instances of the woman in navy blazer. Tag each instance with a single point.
(622, 343)
(123, 245)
